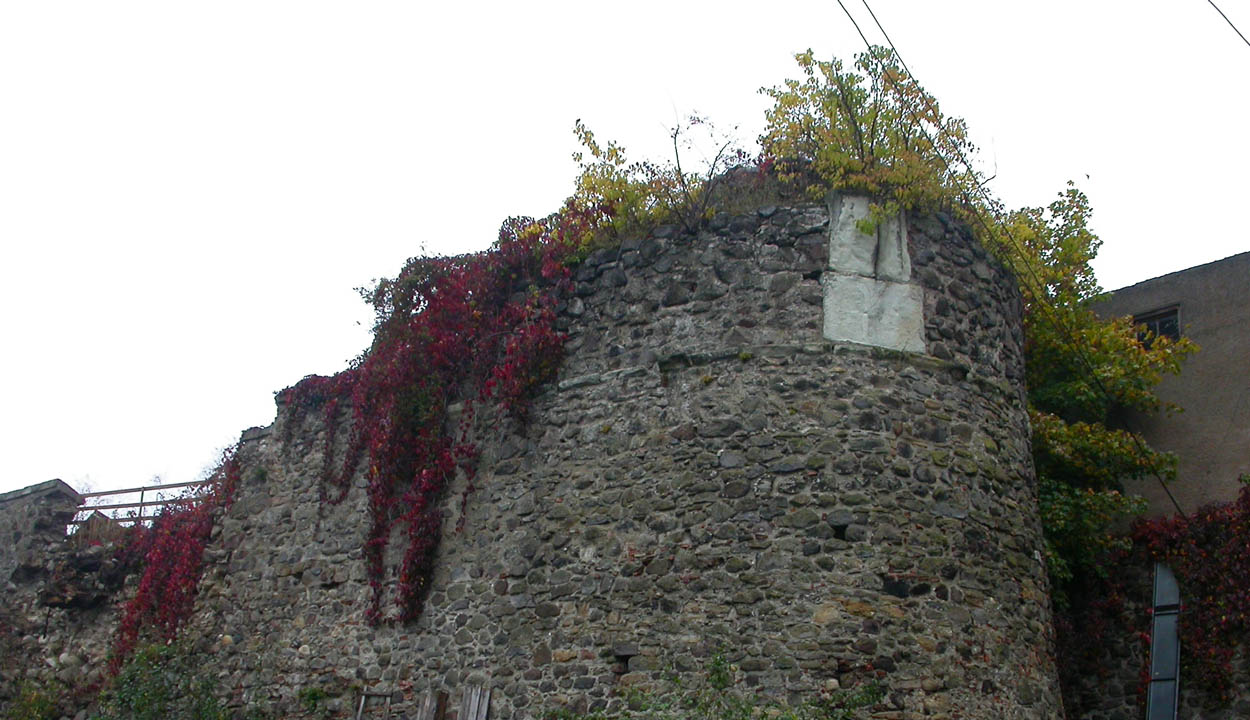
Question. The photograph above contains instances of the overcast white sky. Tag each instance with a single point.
(189, 192)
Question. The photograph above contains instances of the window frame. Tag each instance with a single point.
(1149, 323)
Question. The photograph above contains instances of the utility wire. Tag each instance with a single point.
(1050, 311)
(979, 189)
(1230, 22)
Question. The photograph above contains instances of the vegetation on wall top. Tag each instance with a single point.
(876, 131)
(872, 130)
(448, 330)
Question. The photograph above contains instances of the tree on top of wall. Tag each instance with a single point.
(873, 129)
(1080, 370)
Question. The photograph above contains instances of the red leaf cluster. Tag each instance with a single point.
(1209, 551)
(452, 332)
(172, 554)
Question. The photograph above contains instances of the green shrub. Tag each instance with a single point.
(310, 699)
(161, 682)
(34, 702)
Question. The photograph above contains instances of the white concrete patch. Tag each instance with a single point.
(867, 295)
(893, 262)
(850, 251)
(874, 312)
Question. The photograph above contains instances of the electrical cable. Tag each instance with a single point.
(1056, 324)
(1230, 22)
(976, 210)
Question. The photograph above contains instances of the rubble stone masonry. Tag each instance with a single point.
(708, 474)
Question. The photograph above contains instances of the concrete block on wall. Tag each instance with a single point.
(893, 261)
(851, 251)
(874, 312)
(881, 254)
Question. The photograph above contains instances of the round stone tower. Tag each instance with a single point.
(779, 439)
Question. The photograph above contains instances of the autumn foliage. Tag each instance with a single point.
(872, 129)
(449, 331)
(171, 552)
(1207, 551)
(1081, 372)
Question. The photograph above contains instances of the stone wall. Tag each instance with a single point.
(59, 611)
(708, 474)
(33, 520)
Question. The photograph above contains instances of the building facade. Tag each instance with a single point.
(1210, 305)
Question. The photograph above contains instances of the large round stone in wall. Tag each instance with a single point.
(711, 474)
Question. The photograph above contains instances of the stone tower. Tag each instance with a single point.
(780, 438)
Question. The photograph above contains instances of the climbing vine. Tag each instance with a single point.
(460, 331)
(172, 555)
(1207, 551)
(449, 331)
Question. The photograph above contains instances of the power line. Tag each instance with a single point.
(851, 17)
(1230, 22)
(1064, 330)
(1053, 315)
(979, 189)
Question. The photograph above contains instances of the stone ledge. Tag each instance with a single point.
(43, 488)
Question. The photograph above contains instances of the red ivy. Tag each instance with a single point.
(1209, 551)
(172, 553)
(463, 329)
(1095, 615)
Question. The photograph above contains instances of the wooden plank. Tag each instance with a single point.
(426, 711)
(485, 709)
(440, 712)
(475, 703)
(364, 701)
(466, 696)
(145, 488)
(149, 503)
(433, 706)
(118, 520)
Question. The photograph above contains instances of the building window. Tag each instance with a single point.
(1159, 323)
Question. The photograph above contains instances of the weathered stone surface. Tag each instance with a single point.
(58, 611)
(893, 261)
(703, 474)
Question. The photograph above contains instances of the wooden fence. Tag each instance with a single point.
(138, 510)
(474, 704)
